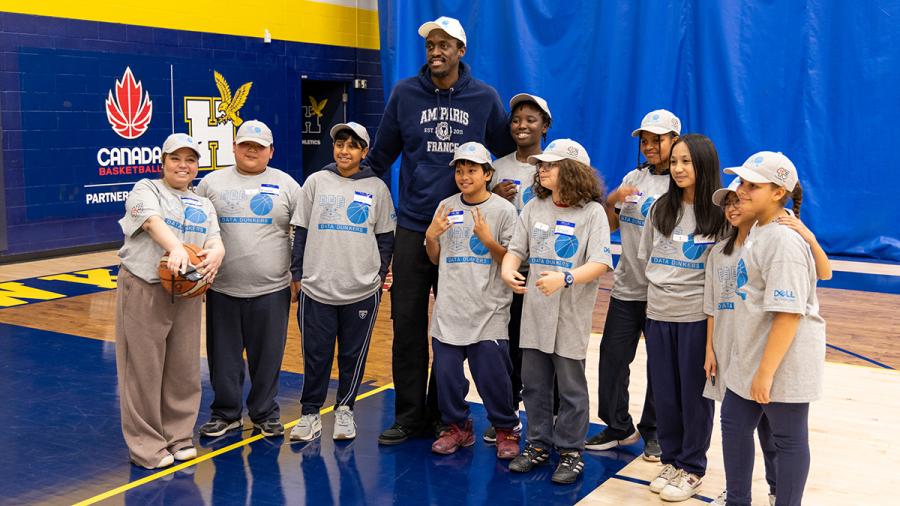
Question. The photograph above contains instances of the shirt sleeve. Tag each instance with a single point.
(141, 204)
(213, 230)
(645, 247)
(709, 303)
(597, 247)
(303, 210)
(497, 137)
(507, 226)
(518, 244)
(785, 272)
(202, 188)
(387, 217)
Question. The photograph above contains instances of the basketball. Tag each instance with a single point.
(189, 284)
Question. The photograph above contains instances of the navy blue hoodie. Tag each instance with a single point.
(425, 124)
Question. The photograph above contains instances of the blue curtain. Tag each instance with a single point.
(818, 80)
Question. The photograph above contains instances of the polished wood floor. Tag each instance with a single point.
(854, 452)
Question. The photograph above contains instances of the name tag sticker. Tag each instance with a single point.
(564, 228)
(191, 201)
(269, 189)
(543, 227)
(363, 198)
(635, 198)
(704, 239)
(456, 217)
(680, 238)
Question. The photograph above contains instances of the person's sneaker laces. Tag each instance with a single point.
(309, 428)
(186, 453)
(606, 441)
(344, 425)
(454, 437)
(681, 488)
(569, 469)
(507, 443)
(217, 427)
(531, 456)
(667, 474)
(394, 435)
(652, 450)
(490, 435)
(270, 428)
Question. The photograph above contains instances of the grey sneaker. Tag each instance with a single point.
(490, 435)
(270, 428)
(309, 428)
(666, 475)
(344, 425)
(652, 450)
(217, 427)
(681, 488)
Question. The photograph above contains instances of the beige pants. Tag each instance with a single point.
(158, 365)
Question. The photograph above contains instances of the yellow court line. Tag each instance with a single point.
(207, 456)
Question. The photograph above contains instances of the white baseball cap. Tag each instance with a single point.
(358, 129)
(721, 194)
(659, 122)
(472, 151)
(561, 149)
(254, 131)
(175, 142)
(525, 97)
(767, 167)
(449, 25)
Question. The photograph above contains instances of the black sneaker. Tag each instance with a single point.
(217, 426)
(531, 456)
(569, 469)
(394, 435)
(270, 428)
(490, 435)
(606, 441)
(652, 450)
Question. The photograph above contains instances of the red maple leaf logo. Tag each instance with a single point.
(129, 114)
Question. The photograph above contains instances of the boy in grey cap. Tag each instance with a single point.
(248, 307)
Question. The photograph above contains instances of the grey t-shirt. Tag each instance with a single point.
(472, 303)
(192, 218)
(776, 273)
(719, 302)
(342, 216)
(676, 267)
(630, 278)
(255, 217)
(508, 168)
(560, 239)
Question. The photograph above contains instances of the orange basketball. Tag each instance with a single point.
(189, 284)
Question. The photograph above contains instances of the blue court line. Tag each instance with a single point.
(647, 483)
(861, 357)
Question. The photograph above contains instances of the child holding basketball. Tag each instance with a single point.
(158, 335)
(467, 240)
(513, 177)
(564, 234)
(681, 226)
(776, 362)
(340, 259)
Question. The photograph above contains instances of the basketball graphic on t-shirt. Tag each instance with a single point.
(527, 195)
(194, 214)
(645, 207)
(566, 245)
(693, 250)
(477, 246)
(261, 204)
(357, 212)
(741, 279)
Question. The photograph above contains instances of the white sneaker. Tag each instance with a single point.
(166, 461)
(681, 488)
(309, 428)
(771, 500)
(667, 474)
(720, 501)
(187, 453)
(344, 426)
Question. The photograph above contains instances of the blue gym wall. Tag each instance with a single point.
(817, 80)
(55, 77)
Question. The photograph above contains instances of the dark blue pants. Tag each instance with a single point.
(515, 352)
(625, 321)
(676, 352)
(320, 324)
(790, 433)
(258, 325)
(490, 367)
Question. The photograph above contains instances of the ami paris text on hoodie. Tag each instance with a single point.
(425, 124)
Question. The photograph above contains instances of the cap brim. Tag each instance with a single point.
(261, 142)
(652, 129)
(719, 196)
(544, 157)
(179, 146)
(747, 174)
(471, 159)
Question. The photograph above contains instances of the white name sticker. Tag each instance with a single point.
(543, 227)
(635, 198)
(680, 238)
(363, 198)
(456, 217)
(564, 228)
(704, 239)
(191, 201)
(269, 189)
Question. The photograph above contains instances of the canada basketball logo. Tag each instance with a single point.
(130, 110)
(213, 120)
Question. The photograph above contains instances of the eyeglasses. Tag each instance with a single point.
(548, 166)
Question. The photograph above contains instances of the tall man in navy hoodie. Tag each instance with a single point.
(426, 117)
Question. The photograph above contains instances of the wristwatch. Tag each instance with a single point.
(568, 278)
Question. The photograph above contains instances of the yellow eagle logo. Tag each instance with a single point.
(230, 105)
(317, 107)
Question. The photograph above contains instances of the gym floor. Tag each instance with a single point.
(64, 446)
